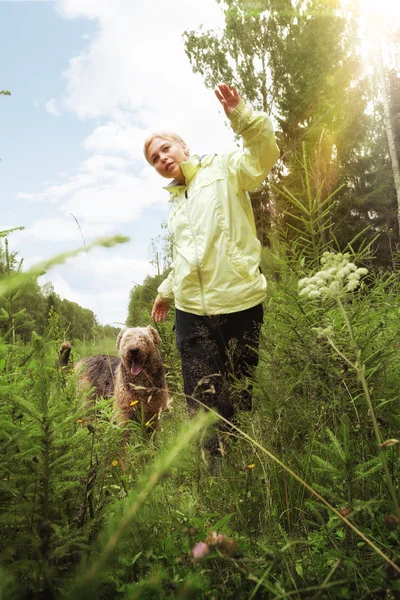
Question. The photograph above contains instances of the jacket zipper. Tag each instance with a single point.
(197, 256)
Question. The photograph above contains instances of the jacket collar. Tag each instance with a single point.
(189, 169)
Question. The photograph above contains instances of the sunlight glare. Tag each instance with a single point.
(377, 20)
(380, 8)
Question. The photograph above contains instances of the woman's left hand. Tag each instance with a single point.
(160, 310)
(228, 96)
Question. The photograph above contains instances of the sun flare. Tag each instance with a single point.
(378, 19)
(380, 8)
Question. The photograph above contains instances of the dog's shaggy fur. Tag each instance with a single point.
(64, 355)
(136, 378)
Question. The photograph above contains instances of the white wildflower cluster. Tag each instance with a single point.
(338, 276)
(324, 332)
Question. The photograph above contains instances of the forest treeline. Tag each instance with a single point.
(29, 308)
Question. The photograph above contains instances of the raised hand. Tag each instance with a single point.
(228, 96)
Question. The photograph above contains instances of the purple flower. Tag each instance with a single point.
(200, 550)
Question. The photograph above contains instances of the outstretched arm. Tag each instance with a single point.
(260, 153)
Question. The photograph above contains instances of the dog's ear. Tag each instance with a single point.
(154, 333)
(119, 338)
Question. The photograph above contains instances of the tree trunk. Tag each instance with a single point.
(389, 129)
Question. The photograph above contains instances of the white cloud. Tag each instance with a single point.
(65, 230)
(119, 138)
(56, 192)
(133, 77)
(105, 190)
(52, 108)
(99, 163)
(102, 205)
(31, 261)
(15, 238)
(103, 195)
(61, 287)
(114, 270)
(99, 283)
(136, 74)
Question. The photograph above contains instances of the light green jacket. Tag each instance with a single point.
(216, 260)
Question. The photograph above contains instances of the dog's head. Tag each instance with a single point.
(138, 348)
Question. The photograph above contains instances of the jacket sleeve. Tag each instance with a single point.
(250, 166)
(165, 289)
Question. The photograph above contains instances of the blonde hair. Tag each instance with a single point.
(164, 135)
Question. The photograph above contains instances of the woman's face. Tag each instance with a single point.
(166, 156)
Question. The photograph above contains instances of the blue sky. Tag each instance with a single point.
(89, 80)
(37, 43)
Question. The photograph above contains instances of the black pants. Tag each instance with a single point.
(215, 351)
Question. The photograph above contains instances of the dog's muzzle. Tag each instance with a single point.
(134, 356)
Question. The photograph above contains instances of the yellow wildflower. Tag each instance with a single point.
(134, 402)
(114, 463)
(80, 421)
(148, 423)
(251, 466)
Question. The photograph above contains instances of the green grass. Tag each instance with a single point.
(99, 345)
(300, 497)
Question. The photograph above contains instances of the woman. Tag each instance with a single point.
(215, 282)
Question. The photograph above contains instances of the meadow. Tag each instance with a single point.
(303, 503)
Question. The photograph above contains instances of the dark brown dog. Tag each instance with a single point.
(136, 378)
(64, 355)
